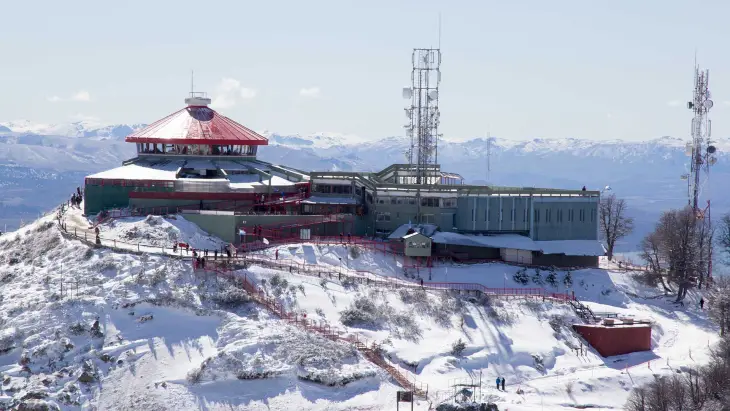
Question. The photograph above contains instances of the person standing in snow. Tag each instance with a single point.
(702, 303)
(276, 253)
(499, 380)
(503, 384)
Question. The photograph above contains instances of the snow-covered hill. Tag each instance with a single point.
(90, 328)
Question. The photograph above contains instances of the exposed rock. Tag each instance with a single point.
(37, 405)
(86, 377)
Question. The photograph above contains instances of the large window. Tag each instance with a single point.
(430, 202)
(448, 202)
(382, 217)
(332, 189)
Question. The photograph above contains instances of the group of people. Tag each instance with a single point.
(201, 256)
(76, 198)
(500, 381)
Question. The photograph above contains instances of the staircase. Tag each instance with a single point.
(584, 312)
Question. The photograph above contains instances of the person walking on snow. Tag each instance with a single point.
(499, 380)
(503, 384)
(702, 303)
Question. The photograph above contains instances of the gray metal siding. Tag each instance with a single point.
(493, 213)
(565, 219)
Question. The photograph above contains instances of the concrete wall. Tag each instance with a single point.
(466, 252)
(226, 226)
(562, 260)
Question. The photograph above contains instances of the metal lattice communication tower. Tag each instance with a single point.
(424, 114)
(700, 149)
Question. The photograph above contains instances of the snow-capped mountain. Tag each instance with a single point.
(84, 128)
(647, 173)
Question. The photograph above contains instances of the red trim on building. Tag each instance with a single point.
(198, 196)
(204, 141)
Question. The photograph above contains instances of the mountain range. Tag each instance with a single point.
(40, 165)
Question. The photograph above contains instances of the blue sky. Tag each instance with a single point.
(521, 69)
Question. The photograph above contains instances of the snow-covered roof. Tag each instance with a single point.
(197, 125)
(425, 229)
(414, 234)
(515, 241)
(167, 170)
(142, 171)
(329, 200)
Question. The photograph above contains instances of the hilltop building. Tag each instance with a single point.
(201, 163)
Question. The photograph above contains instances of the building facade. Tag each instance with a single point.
(200, 162)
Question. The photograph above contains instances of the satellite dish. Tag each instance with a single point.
(407, 93)
(709, 104)
(433, 94)
(711, 149)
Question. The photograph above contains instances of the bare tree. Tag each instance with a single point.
(680, 246)
(718, 303)
(651, 252)
(615, 224)
(724, 237)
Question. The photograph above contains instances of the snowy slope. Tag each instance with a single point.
(172, 339)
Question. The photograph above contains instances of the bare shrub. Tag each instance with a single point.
(458, 347)
(230, 297)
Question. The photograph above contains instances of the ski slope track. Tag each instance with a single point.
(132, 325)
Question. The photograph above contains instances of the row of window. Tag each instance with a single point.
(560, 215)
(425, 201)
(425, 218)
(548, 215)
(332, 189)
(413, 244)
(128, 183)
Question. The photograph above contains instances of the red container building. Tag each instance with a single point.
(616, 338)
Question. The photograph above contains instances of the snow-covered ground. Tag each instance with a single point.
(169, 338)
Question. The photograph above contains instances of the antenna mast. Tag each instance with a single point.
(701, 149)
(424, 114)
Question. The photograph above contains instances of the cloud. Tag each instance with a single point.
(247, 93)
(674, 103)
(311, 92)
(229, 91)
(79, 96)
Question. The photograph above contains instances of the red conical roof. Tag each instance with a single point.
(197, 125)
